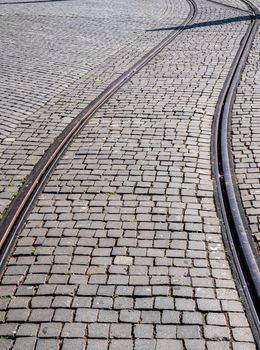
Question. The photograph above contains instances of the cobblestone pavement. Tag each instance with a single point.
(236, 3)
(123, 248)
(246, 138)
(56, 57)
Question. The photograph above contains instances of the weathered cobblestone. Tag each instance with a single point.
(123, 248)
(246, 139)
(41, 92)
(236, 3)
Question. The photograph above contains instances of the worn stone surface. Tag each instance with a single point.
(235, 3)
(246, 139)
(70, 51)
(123, 248)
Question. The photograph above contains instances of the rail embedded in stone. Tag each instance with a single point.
(16, 214)
(237, 235)
(229, 6)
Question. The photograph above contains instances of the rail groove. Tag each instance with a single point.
(13, 220)
(244, 258)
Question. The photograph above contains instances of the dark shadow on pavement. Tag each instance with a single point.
(207, 24)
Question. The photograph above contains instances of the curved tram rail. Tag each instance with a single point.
(245, 259)
(230, 6)
(236, 230)
(13, 220)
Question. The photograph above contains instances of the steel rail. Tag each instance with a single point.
(245, 260)
(229, 6)
(14, 218)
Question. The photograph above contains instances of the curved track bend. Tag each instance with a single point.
(237, 233)
(20, 207)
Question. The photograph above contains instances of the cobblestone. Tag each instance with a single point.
(41, 91)
(245, 139)
(123, 248)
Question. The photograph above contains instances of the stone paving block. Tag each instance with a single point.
(166, 331)
(170, 317)
(24, 343)
(27, 330)
(237, 319)
(98, 330)
(79, 344)
(6, 344)
(231, 306)
(121, 331)
(17, 315)
(86, 315)
(218, 345)
(145, 303)
(208, 305)
(216, 319)
(123, 303)
(124, 241)
(143, 331)
(50, 330)
(195, 344)
(97, 344)
(45, 289)
(150, 317)
(192, 318)
(164, 303)
(41, 315)
(63, 315)
(145, 344)
(77, 302)
(123, 260)
(242, 334)
(187, 332)
(184, 304)
(117, 344)
(8, 329)
(243, 345)
(109, 316)
(41, 301)
(132, 316)
(73, 330)
(47, 344)
(169, 343)
(216, 332)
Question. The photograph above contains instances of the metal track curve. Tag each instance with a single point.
(13, 220)
(244, 258)
(229, 6)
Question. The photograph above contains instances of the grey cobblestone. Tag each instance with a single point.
(79, 344)
(6, 344)
(218, 345)
(123, 248)
(47, 344)
(27, 343)
(73, 330)
(245, 139)
(44, 92)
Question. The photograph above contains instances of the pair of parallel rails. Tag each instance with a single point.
(236, 232)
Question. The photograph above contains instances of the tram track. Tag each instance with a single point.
(229, 6)
(236, 231)
(16, 214)
(237, 236)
